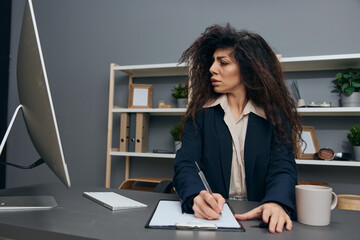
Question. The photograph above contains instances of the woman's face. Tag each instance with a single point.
(225, 72)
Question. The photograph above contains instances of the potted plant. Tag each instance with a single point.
(354, 138)
(180, 93)
(175, 133)
(347, 84)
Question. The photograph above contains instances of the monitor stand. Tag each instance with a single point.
(17, 203)
(9, 128)
(21, 203)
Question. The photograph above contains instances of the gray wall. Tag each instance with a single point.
(81, 38)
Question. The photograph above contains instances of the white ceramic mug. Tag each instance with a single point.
(314, 204)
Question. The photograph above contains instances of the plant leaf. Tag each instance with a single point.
(349, 90)
(356, 84)
(338, 75)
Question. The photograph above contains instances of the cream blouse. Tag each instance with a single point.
(237, 130)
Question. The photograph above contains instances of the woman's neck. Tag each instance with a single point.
(237, 103)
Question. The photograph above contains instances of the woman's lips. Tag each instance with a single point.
(214, 81)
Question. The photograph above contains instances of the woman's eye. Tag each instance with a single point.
(223, 63)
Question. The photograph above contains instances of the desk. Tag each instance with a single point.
(79, 218)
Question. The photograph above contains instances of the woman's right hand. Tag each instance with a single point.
(208, 206)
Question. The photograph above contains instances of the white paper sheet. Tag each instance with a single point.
(140, 97)
(168, 213)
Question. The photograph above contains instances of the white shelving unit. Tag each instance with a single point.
(330, 111)
(298, 161)
(152, 111)
(328, 163)
(289, 64)
(310, 111)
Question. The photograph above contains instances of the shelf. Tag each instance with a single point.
(136, 154)
(332, 111)
(290, 64)
(152, 111)
(154, 70)
(322, 62)
(328, 163)
(114, 152)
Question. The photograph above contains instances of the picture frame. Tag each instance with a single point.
(140, 95)
(310, 146)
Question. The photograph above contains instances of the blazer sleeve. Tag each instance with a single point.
(186, 179)
(281, 175)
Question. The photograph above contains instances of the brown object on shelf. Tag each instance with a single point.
(124, 132)
(165, 106)
(147, 184)
(325, 154)
(324, 184)
(309, 137)
(142, 132)
(347, 201)
(140, 95)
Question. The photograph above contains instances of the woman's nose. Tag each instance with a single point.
(213, 68)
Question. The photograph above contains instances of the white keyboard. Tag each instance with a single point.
(113, 200)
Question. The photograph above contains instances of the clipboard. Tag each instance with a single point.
(168, 215)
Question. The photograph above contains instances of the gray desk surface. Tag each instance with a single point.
(79, 218)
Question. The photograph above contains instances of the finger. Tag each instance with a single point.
(220, 200)
(208, 212)
(255, 213)
(199, 214)
(266, 214)
(280, 224)
(196, 208)
(289, 223)
(210, 200)
(273, 222)
(202, 207)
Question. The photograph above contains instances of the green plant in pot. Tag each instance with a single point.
(354, 138)
(180, 93)
(347, 84)
(175, 133)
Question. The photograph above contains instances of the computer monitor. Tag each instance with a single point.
(35, 99)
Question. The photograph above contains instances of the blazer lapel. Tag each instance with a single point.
(254, 134)
(225, 146)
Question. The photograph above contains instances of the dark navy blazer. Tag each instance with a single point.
(270, 168)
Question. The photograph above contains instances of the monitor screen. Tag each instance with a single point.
(35, 98)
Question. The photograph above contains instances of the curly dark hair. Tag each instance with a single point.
(260, 70)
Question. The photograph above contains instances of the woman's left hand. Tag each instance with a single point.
(269, 211)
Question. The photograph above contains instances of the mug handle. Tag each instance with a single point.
(334, 201)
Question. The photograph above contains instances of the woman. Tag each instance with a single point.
(241, 127)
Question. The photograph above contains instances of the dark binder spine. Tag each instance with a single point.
(132, 131)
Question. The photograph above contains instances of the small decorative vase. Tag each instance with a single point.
(177, 145)
(182, 102)
(357, 153)
(350, 101)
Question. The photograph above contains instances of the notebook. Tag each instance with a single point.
(113, 201)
